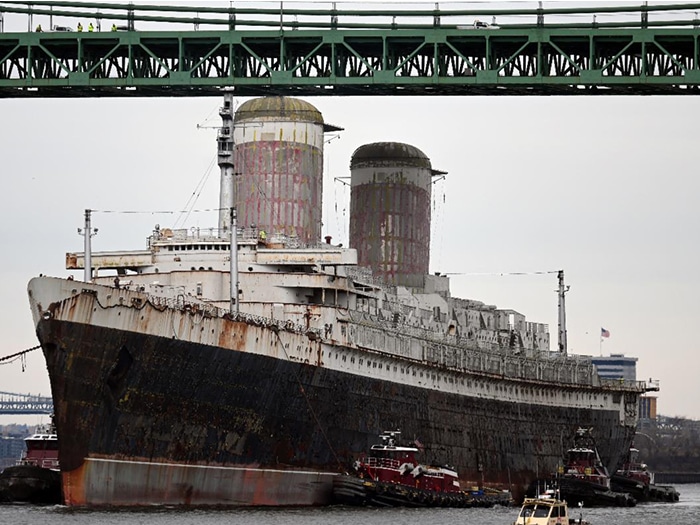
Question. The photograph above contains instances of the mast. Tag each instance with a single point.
(224, 140)
(227, 199)
(562, 312)
(87, 233)
(234, 263)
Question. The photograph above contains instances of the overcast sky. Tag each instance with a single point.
(605, 188)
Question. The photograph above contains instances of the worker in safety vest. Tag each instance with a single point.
(39, 29)
(80, 27)
(91, 28)
(114, 27)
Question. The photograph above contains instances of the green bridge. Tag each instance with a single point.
(149, 50)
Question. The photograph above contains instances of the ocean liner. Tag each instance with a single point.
(248, 364)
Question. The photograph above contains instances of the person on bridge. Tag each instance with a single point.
(114, 27)
(80, 27)
(91, 28)
(39, 29)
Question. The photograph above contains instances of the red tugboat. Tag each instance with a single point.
(392, 476)
(634, 477)
(36, 477)
(42, 449)
(583, 478)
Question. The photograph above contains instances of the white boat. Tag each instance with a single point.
(547, 510)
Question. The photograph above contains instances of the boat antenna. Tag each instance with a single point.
(562, 312)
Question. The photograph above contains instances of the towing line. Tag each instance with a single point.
(8, 357)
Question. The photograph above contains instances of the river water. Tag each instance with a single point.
(684, 512)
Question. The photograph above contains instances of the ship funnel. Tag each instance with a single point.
(390, 211)
(278, 158)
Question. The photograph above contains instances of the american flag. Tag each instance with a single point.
(604, 333)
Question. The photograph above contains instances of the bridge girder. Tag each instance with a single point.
(435, 61)
(24, 404)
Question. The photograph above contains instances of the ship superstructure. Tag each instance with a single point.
(186, 379)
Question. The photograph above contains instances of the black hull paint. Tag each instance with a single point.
(30, 484)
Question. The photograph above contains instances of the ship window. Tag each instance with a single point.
(362, 361)
(527, 511)
(352, 359)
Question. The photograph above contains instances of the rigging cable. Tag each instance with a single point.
(13, 357)
(502, 273)
(156, 212)
(195, 194)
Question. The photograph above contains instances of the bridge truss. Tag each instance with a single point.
(24, 404)
(185, 51)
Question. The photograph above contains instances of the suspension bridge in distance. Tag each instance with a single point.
(24, 404)
(128, 50)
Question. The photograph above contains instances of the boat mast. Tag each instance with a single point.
(87, 234)
(562, 312)
(224, 141)
(227, 200)
(234, 263)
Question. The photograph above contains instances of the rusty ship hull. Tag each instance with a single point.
(192, 406)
